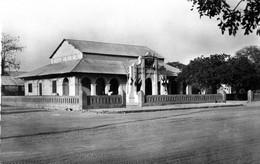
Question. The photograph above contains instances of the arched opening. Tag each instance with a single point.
(100, 87)
(148, 86)
(65, 87)
(114, 86)
(86, 86)
(172, 86)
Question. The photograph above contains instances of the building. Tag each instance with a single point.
(97, 68)
(11, 86)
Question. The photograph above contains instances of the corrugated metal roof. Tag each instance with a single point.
(80, 66)
(171, 71)
(90, 66)
(100, 66)
(51, 69)
(108, 48)
(10, 80)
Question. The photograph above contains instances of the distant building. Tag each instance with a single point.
(100, 69)
(11, 86)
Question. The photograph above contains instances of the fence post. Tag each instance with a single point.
(224, 96)
(249, 96)
(141, 98)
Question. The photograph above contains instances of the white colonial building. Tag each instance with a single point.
(97, 68)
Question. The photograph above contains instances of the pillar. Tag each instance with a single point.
(72, 86)
(59, 86)
(143, 75)
(81, 96)
(188, 90)
(107, 88)
(93, 89)
(155, 80)
(120, 89)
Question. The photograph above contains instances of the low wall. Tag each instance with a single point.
(256, 97)
(104, 101)
(236, 96)
(152, 100)
(46, 102)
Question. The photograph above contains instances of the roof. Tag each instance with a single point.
(171, 71)
(79, 66)
(15, 73)
(10, 80)
(108, 48)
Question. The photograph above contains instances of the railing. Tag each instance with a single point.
(114, 99)
(103, 101)
(236, 96)
(180, 99)
(47, 102)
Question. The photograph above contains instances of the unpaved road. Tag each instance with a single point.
(220, 135)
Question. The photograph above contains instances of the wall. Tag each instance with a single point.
(47, 86)
(155, 100)
(256, 97)
(46, 102)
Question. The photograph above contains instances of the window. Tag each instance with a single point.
(30, 87)
(54, 86)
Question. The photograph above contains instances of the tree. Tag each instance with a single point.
(10, 47)
(245, 14)
(205, 73)
(241, 75)
(177, 65)
(253, 54)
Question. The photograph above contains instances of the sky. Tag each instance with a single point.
(168, 27)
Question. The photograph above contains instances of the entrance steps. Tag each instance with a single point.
(132, 104)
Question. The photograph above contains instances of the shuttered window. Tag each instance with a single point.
(30, 87)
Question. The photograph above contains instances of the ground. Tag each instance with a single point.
(211, 135)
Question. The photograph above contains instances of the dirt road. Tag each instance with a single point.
(222, 135)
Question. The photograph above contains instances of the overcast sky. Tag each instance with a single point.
(168, 27)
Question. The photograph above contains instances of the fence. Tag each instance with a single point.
(236, 96)
(151, 100)
(256, 97)
(47, 102)
(104, 101)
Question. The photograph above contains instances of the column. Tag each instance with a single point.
(188, 90)
(163, 89)
(120, 89)
(72, 86)
(107, 88)
(59, 86)
(93, 89)
(143, 75)
(130, 82)
(155, 81)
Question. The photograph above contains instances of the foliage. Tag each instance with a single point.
(205, 73)
(253, 54)
(177, 65)
(241, 75)
(244, 14)
(10, 47)
(208, 73)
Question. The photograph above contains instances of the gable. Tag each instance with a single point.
(65, 52)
